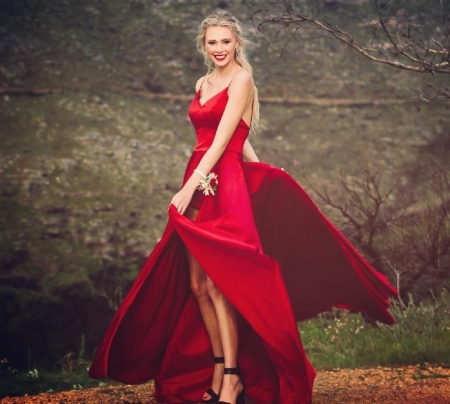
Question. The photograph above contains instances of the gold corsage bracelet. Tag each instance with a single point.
(208, 183)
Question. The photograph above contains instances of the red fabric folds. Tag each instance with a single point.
(320, 267)
(274, 256)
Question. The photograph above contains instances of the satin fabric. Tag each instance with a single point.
(271, 252)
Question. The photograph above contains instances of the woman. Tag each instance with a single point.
(245, 255)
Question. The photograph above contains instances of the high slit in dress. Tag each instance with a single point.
(271, 252)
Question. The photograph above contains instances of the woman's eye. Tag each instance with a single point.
(226, 42)
(210, 43)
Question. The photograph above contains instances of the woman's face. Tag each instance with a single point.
(220, 45)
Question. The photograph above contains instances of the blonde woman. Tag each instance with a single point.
(213, 313)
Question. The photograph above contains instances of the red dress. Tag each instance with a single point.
(271, 252)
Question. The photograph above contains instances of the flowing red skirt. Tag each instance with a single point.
(275, 257)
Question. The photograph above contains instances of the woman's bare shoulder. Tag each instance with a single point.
(243, 76)
(242, 79)
(200, 81)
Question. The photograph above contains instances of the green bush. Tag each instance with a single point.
(341, 339)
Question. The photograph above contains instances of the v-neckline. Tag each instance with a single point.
(214, 96)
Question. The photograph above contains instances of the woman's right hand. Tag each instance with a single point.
(182, 198)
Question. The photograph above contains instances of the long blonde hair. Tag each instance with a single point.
(223, 18)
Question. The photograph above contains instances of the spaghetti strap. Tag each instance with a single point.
(200, 88)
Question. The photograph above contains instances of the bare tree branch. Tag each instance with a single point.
(408, 234)
(408, 46)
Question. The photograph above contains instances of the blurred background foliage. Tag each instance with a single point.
(94, 138)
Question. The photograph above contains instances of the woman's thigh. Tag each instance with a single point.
(197, 275)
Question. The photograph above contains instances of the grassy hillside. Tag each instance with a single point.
(88, 169)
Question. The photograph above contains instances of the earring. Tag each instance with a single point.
(237, 52)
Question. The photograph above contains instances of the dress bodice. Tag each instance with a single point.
(206, 119)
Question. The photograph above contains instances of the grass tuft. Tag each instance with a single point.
(71, 373)
(341, 339)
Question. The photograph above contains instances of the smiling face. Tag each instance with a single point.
(220, 45)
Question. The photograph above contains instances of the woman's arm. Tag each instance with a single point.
(249, 154)
(238, 96)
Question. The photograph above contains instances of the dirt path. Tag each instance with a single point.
(411, 384)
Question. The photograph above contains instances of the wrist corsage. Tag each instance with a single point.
(208, 183)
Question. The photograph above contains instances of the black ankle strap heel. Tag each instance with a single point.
(241, 397)
(214, 396)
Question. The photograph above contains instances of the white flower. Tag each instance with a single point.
(209, 184)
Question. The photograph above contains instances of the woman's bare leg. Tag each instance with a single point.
(199, 288)
(227, 318)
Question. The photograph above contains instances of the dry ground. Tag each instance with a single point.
(410, 384)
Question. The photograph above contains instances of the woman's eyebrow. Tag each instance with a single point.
(215, 40)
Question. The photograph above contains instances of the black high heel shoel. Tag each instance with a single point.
(241, 397)
(214, 396)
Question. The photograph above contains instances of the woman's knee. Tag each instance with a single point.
(199, 287)
(213, 291)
